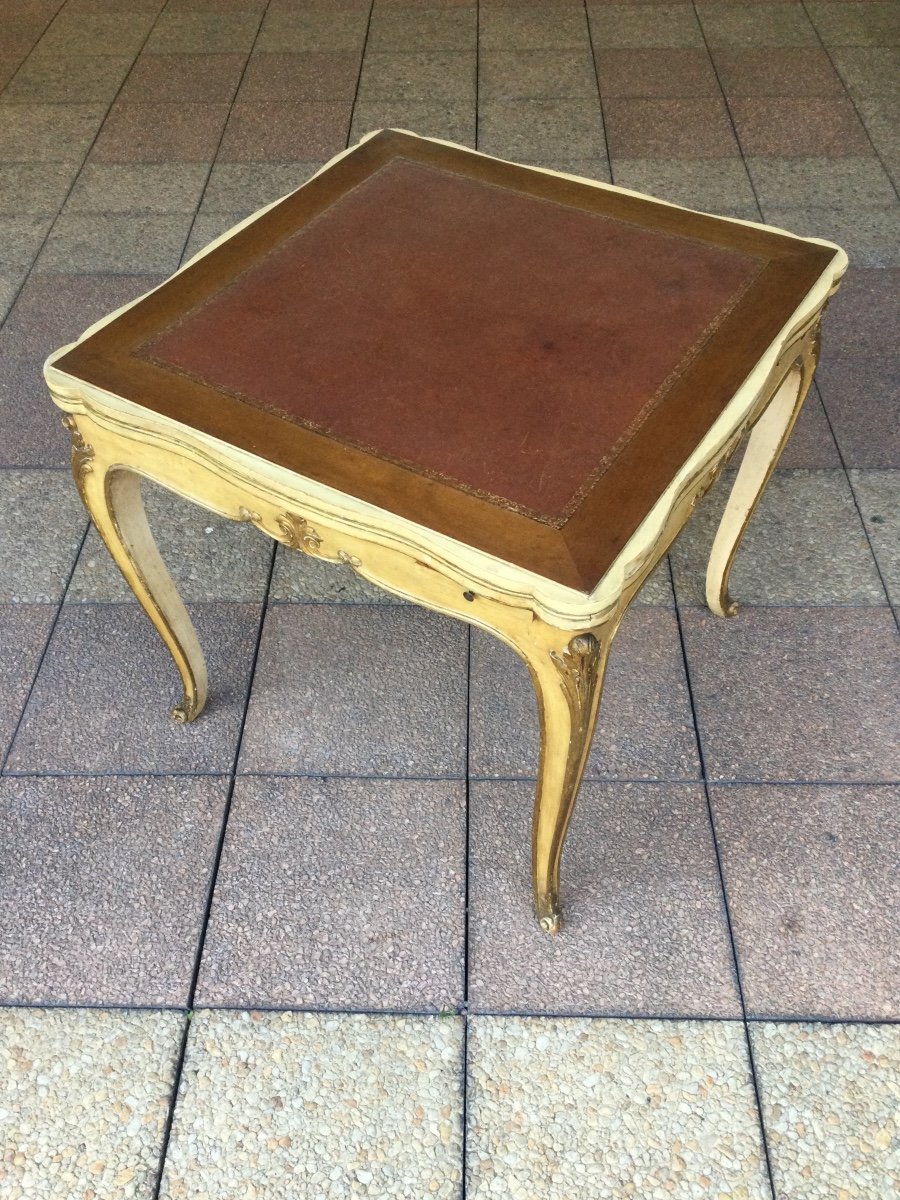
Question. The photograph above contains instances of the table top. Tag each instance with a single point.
(516, 359)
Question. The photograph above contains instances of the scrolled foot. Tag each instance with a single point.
(723, 606)
(548, 913)
(188, 710)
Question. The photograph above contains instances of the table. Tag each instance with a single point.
(494, 390)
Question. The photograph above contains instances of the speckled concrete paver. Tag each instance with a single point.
(796, 694)
(878, 496)
(103, 886)
(83, 1102)
(24, 630)
(337, 690)
(644, 921)
(340, 893)
(831, 1106)
(805, 545)
(306, 1104)
(814, 896)
(42, 523)
(210, 558)
(103, 696)
(603, 1110)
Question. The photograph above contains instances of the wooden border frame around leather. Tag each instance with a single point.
(799, 276)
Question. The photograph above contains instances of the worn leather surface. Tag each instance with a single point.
(506, 344)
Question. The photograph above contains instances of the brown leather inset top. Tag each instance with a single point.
(519, 361)
(506, 344)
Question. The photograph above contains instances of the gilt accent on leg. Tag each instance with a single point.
(568, 682)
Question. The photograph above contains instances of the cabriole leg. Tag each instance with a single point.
(112, 496)
(568, 680)
(765, 444)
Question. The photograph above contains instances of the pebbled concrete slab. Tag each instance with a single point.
(340, 894)
(335, 1104)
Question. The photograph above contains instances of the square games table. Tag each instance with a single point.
(494, 390)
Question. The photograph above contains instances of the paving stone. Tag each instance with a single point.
(645, 729)
(42, 523)
(544, 74)
(9, 64)
(206, 228)
(337, 691)
(601, 1109)
(34, 188)
(203, 33)
(644, 928)
(210, 557)
(128, 243)
(289, 30)
(291, 78)
(868, 70)
(864, 316)
(24, 25)
(67, 79)
(10, 283)
(55, 309)
(302, 579)
(86, 1095)
(425, 29)
(272, 132)
(116, 33)
(784, 24)
(339, 894)
(651, 72)
(878, 496)
(829, 1099)
(24, 630)
(858, 183)
(435, 78)
(33, 435)
(705, 184)
(21, 237)
(879, 116)
(798, 71)
(183, 78)
(623, 26)
(160, 133)
(796, 693)
(454, 121)
(814, 896)
(808, 127)
(48, 132)
(104, 887)
(532, 28)
(535, 129)
(333, 1104)
(102, 698)
(247, 187)
(870, 235)
(805, 545)
(856, 24)
(859, 393)
(690, 129)
(138, 188)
